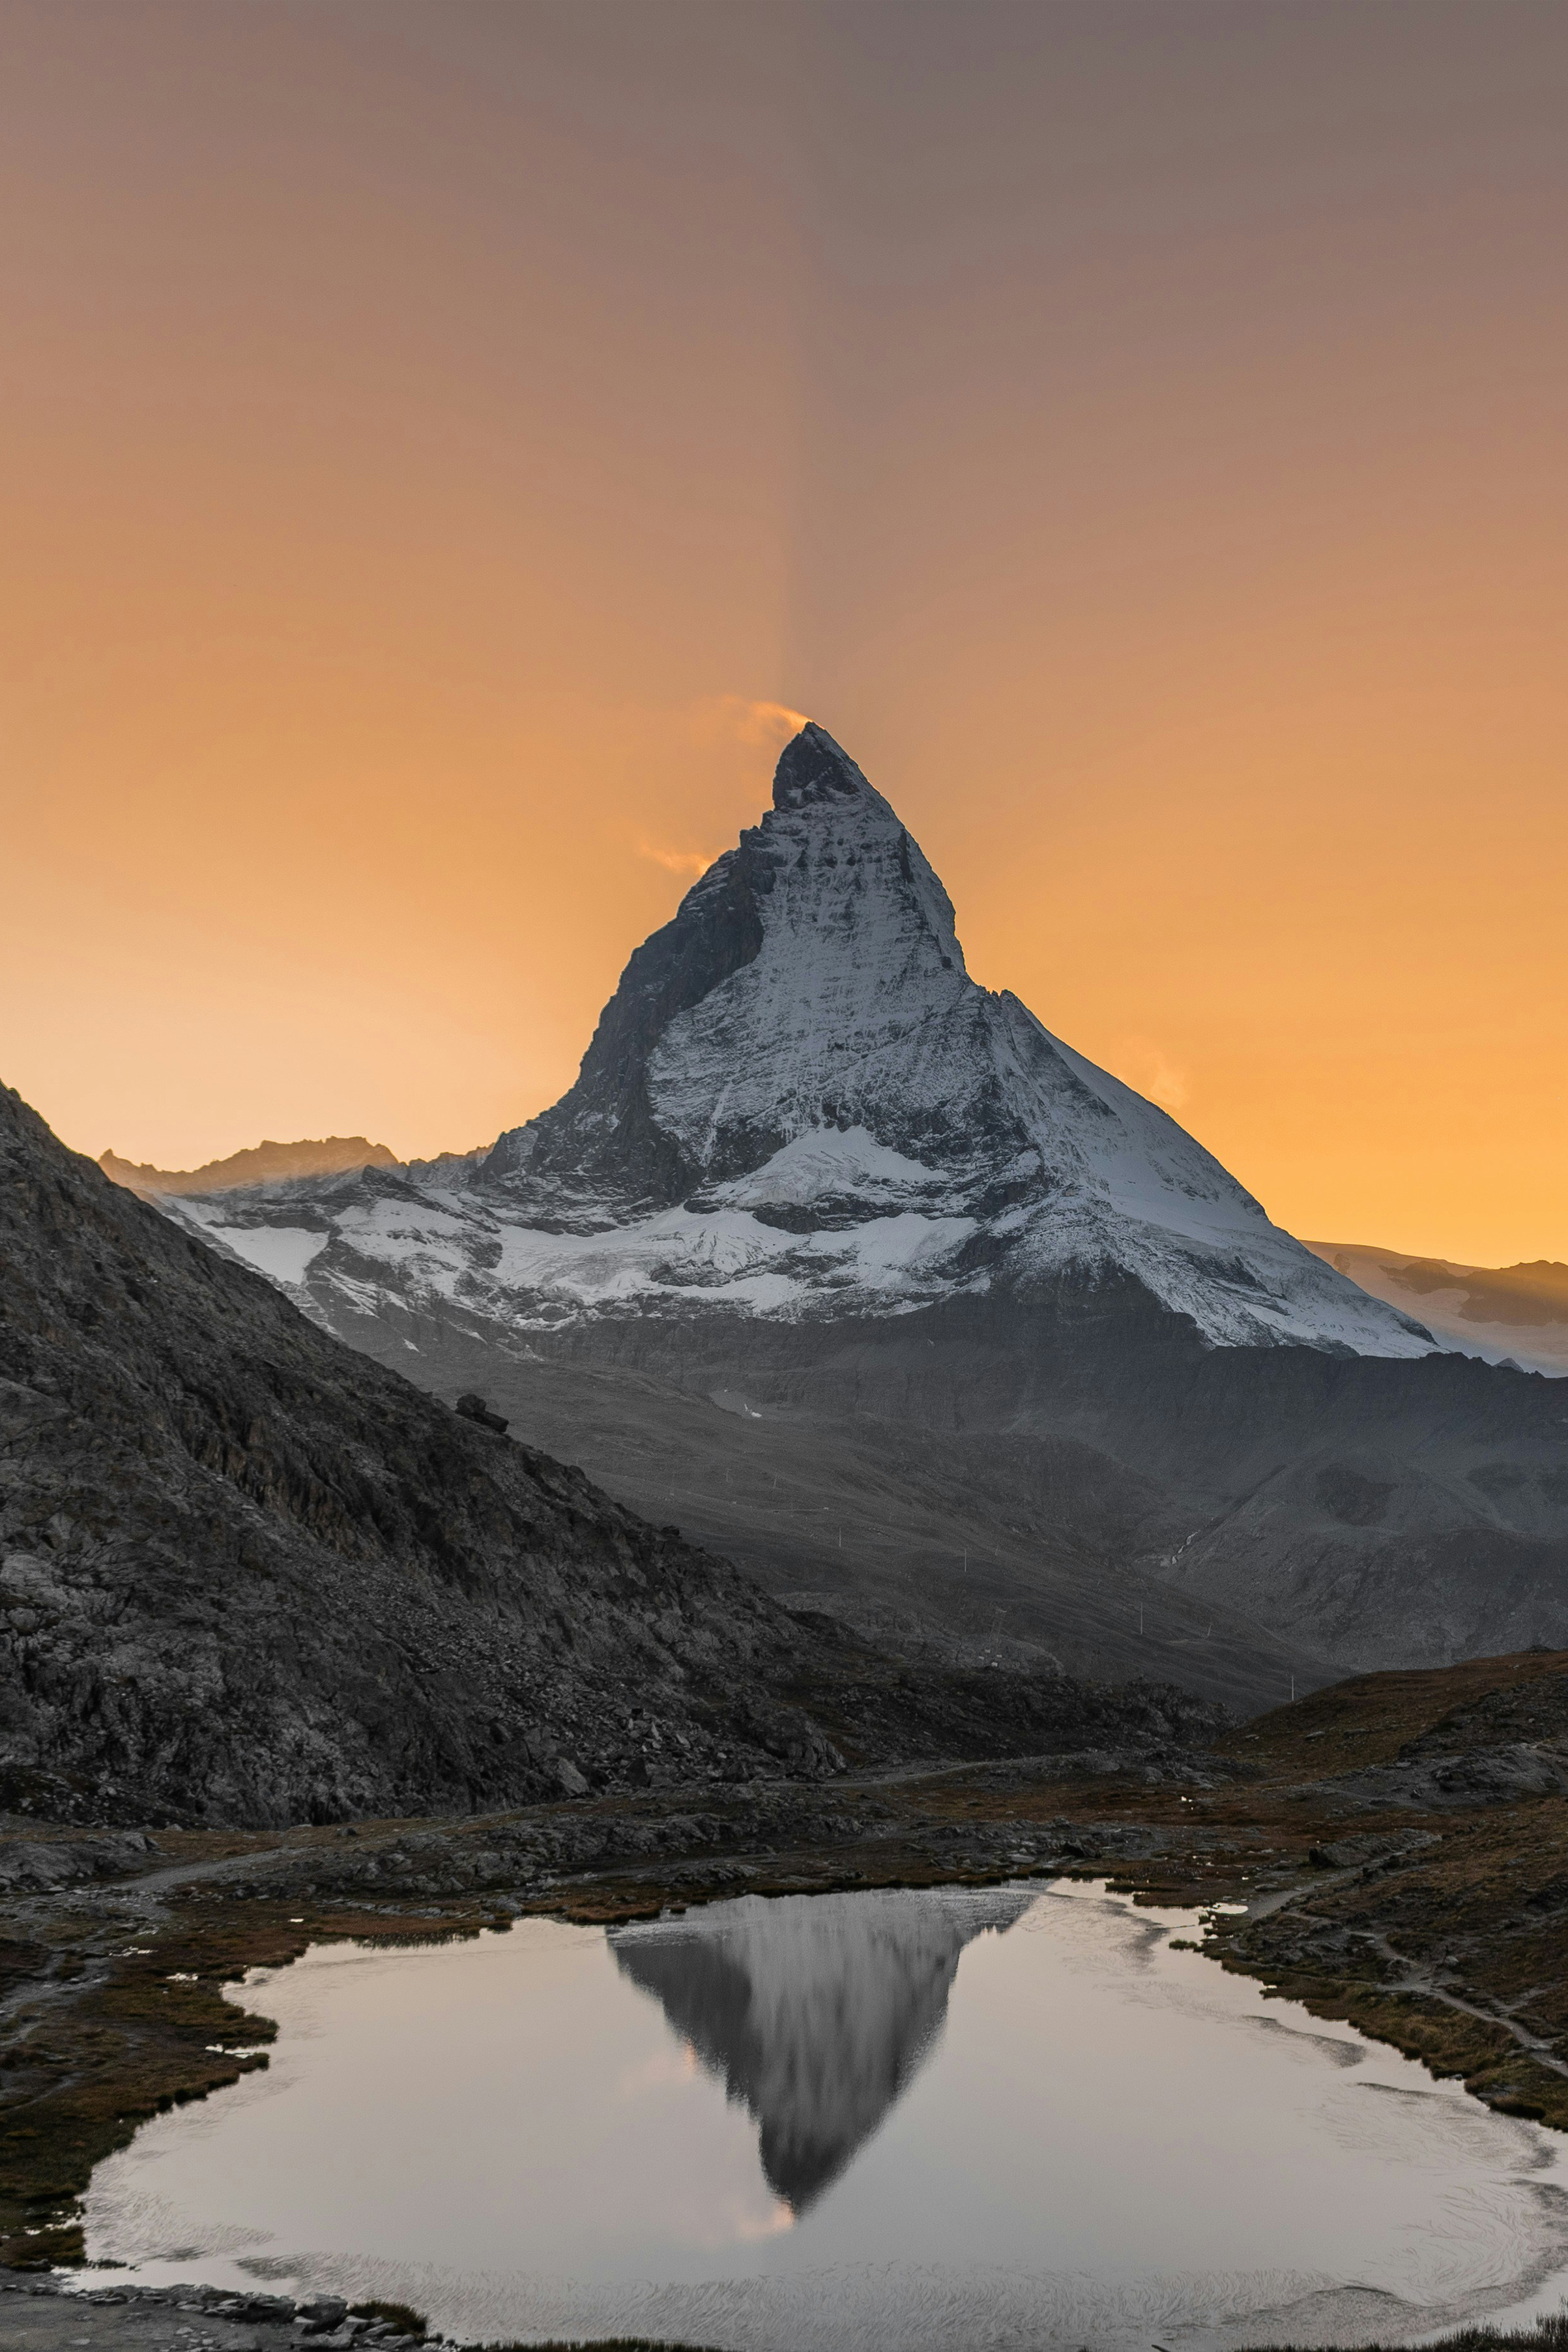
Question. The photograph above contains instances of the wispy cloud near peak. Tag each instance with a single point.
(695, 861)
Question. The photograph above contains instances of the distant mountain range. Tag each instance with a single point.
(855, 1267)
(264, 1163)
(1505, 1313)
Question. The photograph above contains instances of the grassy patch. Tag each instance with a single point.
(400, 2315)
(1549, 2335)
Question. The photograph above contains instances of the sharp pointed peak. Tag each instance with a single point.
(812, 768)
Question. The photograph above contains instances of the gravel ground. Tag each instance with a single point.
(38, 2316)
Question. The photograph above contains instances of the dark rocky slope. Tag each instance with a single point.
(1082, 1473)
(250, 1576)
(247, 1575)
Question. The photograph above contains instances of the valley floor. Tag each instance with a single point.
(1392, 1850)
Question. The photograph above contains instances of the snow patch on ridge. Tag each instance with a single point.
(824, 1160)
(283, 1252)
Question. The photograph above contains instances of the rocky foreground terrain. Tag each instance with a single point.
(247, 1576)
(40, 2312)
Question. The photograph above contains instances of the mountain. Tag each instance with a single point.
(264, 1163)
(248, 1576)
(1505, 1313)
(851, 1264)
(797, 1106)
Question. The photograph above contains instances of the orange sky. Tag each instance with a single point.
(435, 432)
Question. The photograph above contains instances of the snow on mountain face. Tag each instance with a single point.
(799, 1105)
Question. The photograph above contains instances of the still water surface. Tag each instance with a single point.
(904, 2121)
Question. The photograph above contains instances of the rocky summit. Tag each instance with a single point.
(850, 1264)
(799, 1104)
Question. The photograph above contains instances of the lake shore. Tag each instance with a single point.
(1426, 1904)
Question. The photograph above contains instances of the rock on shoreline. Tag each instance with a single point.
(193, 2317)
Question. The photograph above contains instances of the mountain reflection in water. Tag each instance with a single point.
(816, 2011)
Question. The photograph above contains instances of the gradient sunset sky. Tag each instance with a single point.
(444, 440)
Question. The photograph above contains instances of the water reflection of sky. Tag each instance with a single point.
(904, 2118)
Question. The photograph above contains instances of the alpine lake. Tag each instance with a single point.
(938, 2120)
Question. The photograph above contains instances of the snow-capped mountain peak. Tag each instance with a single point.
(799, 1105)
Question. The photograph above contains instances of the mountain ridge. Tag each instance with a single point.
(804, 1035)
(1504, 1313)
(260, 1164)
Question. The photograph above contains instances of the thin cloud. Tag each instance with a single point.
(695, 861)
(1140, 1062)
(722, 728)
(762, 725)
